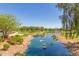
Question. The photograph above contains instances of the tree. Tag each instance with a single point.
(76, 17)
(71, 15)
(67, 17)
(8, 23)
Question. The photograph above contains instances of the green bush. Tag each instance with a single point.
(1, 39)
(18, 39)
(6, 46)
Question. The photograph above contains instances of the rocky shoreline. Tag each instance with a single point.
(14, 49)
(72, 45)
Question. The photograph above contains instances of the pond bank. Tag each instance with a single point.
(14, 49)
(72, 45)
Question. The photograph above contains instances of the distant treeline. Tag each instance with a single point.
(34, 29)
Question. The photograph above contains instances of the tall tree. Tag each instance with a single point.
(67, 17)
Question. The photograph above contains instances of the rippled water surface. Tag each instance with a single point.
(46, 46)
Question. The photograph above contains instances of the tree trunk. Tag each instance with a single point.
(5, 35)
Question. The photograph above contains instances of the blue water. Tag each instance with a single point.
(56, 49)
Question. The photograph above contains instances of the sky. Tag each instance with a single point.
(31, 14)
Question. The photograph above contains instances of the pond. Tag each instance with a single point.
(46, 46)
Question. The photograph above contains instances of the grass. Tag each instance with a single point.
(25, 33)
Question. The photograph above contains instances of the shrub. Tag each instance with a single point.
(18, 54)
(18, 39)
(1, 39)
(6, 46)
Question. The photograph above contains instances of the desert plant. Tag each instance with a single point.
(6, 46)
(18, 39)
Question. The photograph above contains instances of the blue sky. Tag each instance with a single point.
(30, 14)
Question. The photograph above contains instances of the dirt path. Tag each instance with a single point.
(17, 48)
